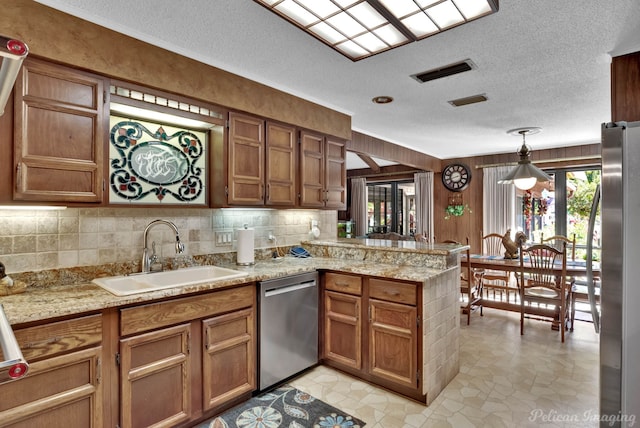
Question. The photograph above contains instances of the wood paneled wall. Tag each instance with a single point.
(470, 225)
(62, 38)
(372, 146)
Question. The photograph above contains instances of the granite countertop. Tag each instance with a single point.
(38, 304)
(389, 245)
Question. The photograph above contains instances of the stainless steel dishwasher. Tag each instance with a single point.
(288, 327)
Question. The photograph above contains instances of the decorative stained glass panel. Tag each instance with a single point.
(154, 163)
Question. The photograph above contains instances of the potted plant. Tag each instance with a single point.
(456, 207)
(456, 210)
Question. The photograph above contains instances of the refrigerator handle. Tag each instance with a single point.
(590, 285)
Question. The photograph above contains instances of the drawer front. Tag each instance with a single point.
(59, 337)
(350, 284)
(156, 315)
(393, 291)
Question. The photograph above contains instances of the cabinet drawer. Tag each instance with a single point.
(58, 337)
(156, 315)
(343, 283)
(392, 291)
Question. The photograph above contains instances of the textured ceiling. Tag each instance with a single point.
(543, 63)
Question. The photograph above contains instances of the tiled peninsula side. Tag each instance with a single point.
(437, 267)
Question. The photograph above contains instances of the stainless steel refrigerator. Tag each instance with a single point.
(620, 293)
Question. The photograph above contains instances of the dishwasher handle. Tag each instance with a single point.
(270, 292)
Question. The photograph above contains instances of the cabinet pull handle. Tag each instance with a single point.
(98, 370)
(18, 178)
(357, 311)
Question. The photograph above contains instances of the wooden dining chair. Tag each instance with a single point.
(543, 281)
(557, 240)
(579, 293)
(470, 285)
(495, 281)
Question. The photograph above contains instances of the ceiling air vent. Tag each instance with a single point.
(448, 70)
(468, 100)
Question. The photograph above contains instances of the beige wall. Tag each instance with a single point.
(42, 240)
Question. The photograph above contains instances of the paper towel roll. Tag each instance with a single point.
(245, 247)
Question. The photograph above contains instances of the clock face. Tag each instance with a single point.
(456, 177)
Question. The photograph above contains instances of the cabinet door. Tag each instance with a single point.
(343, 329)
(281, 165)
(59, 134)
(59, 392)
(156, 378)
(393, 345)
(246, 160)
(323, 171)
(229, 365)
(335, 174)
(312, 175)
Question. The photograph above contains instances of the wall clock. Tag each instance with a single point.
(456, 177)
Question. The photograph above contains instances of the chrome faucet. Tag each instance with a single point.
(146, 258)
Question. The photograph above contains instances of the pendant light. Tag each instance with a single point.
(525, 174)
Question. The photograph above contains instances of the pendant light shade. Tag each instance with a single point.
(525, 175)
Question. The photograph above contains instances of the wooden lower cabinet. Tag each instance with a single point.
(64, 385)
(229, 361)
(175, 374)
(371, 330)
(155, 371)
(393, 344)
(343, 329)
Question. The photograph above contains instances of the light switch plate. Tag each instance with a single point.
(223, 238)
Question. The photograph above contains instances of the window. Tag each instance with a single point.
(562, 207)
(391, 207)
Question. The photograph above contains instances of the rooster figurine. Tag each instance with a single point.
(511, 246)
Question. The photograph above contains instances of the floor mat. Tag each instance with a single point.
(284, 407)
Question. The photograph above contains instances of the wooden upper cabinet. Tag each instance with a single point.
(281, 165)
(311, 170)
(59, 129)
(262, 162)
(323, 172)
(625, 88)
(246, 160)
(336, 174)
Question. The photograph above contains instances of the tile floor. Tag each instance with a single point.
(505, 380)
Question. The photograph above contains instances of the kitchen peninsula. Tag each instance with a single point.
(406, 297)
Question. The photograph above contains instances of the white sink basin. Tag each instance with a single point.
(132, 284)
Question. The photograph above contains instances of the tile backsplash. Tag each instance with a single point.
(36, 240)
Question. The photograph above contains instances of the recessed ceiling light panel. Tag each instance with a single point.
(445, 15)
(362, 28)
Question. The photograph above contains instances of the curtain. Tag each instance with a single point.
(424, 203)
(498, 202)
(359, 205)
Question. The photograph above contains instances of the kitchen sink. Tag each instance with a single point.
(125, 285)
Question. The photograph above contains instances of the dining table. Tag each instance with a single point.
(575, 269)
